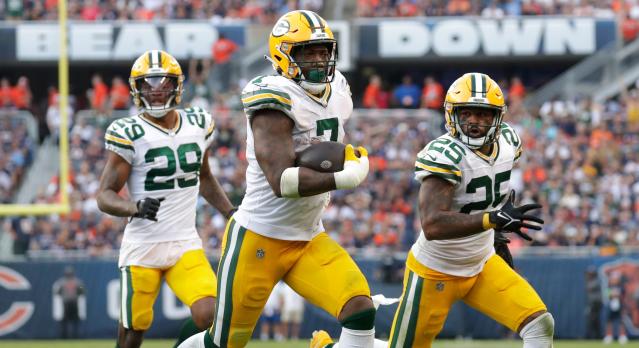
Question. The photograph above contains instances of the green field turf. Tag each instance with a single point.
(291, 344)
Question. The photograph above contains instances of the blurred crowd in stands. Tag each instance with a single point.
(494, 8)
(259, 11)
(581, 162)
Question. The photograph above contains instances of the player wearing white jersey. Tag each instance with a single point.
(277, 233)
(161, 154)
(468, 171)
(464, 197)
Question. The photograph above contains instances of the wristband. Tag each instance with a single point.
(289, 182)
(485, 222)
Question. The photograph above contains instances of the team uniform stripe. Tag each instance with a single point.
(126, 297)
(266, 91)
(435, 164)
(112, 133)
(483, 85)
(118, 139)
(262, 96)
(229, 230)
(150, 58)
(209, 131)
(226, 277)
(455, 173)
(414, 315)
(405, 307)
(122, 146)
(445, 176)
(268, 103)
(311, 22)
(155, 58)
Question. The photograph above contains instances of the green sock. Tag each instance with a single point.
(188, 329)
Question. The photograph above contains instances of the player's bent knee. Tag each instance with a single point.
(539, 332)
(142, 322)
(362, 320)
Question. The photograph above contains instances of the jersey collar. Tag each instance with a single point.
(166, 131)
(323, 100)
(493, 156)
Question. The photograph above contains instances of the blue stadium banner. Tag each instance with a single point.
(107, 41)
(28, 301)
(511, 38)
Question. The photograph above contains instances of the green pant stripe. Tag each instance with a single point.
(400, 315)
(228, 311)
(129, 297)
(220, 269)
(414, 313)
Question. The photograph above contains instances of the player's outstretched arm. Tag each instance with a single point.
(438, 222)
(275, 152)
(116, 173)
(212, 191)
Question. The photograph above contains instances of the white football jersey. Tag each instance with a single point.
(165, 163)
(316, 119)
(481, 185)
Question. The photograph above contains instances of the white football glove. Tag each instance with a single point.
(355, 169)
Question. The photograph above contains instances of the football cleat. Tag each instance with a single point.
(321, 339)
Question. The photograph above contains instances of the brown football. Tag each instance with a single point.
(326, 157)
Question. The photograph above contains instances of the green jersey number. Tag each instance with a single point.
(331, 124)
(449, 148)
(486, 183)
(132, 130)
(194, 117)
(150, 184)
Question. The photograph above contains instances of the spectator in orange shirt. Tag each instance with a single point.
(21, 93)
(517, 89)
(119, 94)
(372, 93)
(98, 94)
(5, 93)
(222, 52)
(432, 94)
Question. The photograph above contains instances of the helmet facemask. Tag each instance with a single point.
(157, 94)
(488, 137)
(313, 75)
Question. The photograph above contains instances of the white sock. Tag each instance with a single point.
(538, 333)
(376, 344)
(356, 339)
(195, 341)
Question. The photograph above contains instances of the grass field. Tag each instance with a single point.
(291, 344)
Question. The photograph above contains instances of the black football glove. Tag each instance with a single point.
(511, 219)
(501, 248)
(148, 208)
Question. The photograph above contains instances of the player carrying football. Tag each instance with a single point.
(464, 197)
(277, 232)
(161, 154)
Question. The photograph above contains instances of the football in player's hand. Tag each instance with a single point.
(326, 157)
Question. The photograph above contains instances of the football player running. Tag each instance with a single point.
(277, 233)
(464, 198)
(161, 154)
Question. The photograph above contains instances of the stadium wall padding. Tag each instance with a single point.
(559, 281)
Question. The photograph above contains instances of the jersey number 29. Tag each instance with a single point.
(187, 167)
